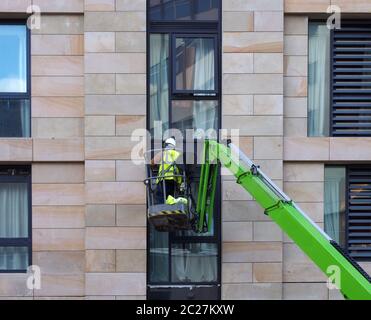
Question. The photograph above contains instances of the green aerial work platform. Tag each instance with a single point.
(354, 282)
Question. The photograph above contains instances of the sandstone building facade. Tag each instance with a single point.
(87, 87)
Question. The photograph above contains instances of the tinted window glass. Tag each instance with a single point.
(13, 258)
(14, 118)
(195, 64)
(194, 262)
(13, 58)
(159, 84)
(194, 114)
(171, 10)
(13, 210)
(15, 238)
(334, 203)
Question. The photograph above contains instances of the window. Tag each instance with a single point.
(195, 65)
(351, 85)
(184, 94)
(192, 101)
(14, 80)
(347, 208)
(197, 115)
(359, 213)
(318, 80)
(339, 79)
(15, 219)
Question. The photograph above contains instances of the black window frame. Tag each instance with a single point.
(21, 95)
(349, 169)
(11, 174)
(333, 95)
(193, 93)
(195, 28)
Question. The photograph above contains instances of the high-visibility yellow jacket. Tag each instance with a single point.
(171, 200)
(168, 167)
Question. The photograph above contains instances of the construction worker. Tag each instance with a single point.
(168, 173)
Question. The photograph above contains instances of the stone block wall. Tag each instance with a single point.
(253, 103)
(115, 90)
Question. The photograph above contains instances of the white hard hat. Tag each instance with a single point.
(170, 141)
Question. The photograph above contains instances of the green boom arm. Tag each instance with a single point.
(316, 244)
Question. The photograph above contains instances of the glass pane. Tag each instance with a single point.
(207, 10)
(194, 262)
(334, 202)
(15, 118)
(200, 116)
(159, 256)
(13, 258)
(159, 84)
(13, 210)
(195, 64)
(13, 60)
(319, 80)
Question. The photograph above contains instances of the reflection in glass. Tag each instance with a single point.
(194, 262)
(13, 58)
(171, 10)
(195, 64)
(193, 114)
(13, 210)
(159, 84)
(13, 258)
(159, 256)
(15, 118)
(334, 203)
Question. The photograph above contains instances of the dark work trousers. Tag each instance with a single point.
(170, 189)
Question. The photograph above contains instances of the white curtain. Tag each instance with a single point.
(13, 258)
(334, 204)
(159, 112)
(159, 83)
(204, 112)
(204, 69)
(204, 117)
(319, 80)
(159, 256)
(196, 262)
(13, 223)
(25, 114)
